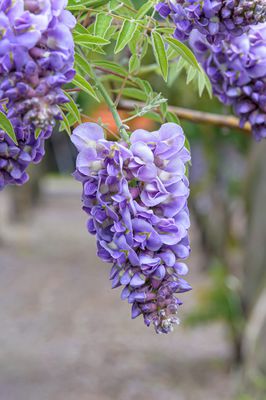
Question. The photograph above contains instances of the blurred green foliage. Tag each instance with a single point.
(220, 300)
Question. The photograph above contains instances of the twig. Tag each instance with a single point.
(108, 71)
(73, 90)
(194, 116)
(121, 91)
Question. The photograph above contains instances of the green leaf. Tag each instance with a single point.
(208, 84)
(122, 7)
(125, 35)
(79, 29)
(71, 121)
(134, 94)
(144, 47)
(183, 51)
(168, 31)
(111, 66)
(160, 53)
(85, 38)
(143, 10)
(111, 31)
(201, 84)
(174, 71)
(163, 108)
(134, 63)
(76, 5)
(37, 133)
(145, 86)
(134, 42)
(171, 117)
(72, 108)
(192, 72)
(7, 127)
(102, 24)
(112, 78)
(187, 146)
(84, 85)
(154, 116)
(83, 65)
(65, 125)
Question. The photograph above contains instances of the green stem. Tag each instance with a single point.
(112, 108)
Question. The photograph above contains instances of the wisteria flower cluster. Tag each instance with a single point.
(14, 159)
(237, 71)
(36, 59)
(213, 18)
(136, 197)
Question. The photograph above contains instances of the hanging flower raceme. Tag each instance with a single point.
(14, 159)
(136, 196)
(36, 59)
(237, 71)
(213, 18)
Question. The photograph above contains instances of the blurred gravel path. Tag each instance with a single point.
(65, 335)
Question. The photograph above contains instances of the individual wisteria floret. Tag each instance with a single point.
(213, 18)
(136, 197)
(237, 71)
(36, 59)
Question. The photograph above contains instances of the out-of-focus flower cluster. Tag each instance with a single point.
(237, 70)
(14, 159)
(229, 39)
(136, 196)
(216, 19)
(36, 59)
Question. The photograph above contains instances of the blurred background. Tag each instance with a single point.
(65, 335)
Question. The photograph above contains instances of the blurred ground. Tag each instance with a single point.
(65, 335)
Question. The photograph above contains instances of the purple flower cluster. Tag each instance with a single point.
(14, 159)
(213, 18)
(136, 196)
(237, 71)
(36, 59)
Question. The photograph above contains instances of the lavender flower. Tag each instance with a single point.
(136, 197)
(213, 18)
(36, 59)
(237, 71)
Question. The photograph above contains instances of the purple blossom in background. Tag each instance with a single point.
(136, 197)
(237, 71)
(213, 18)
(14, 159)
(36, 59)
